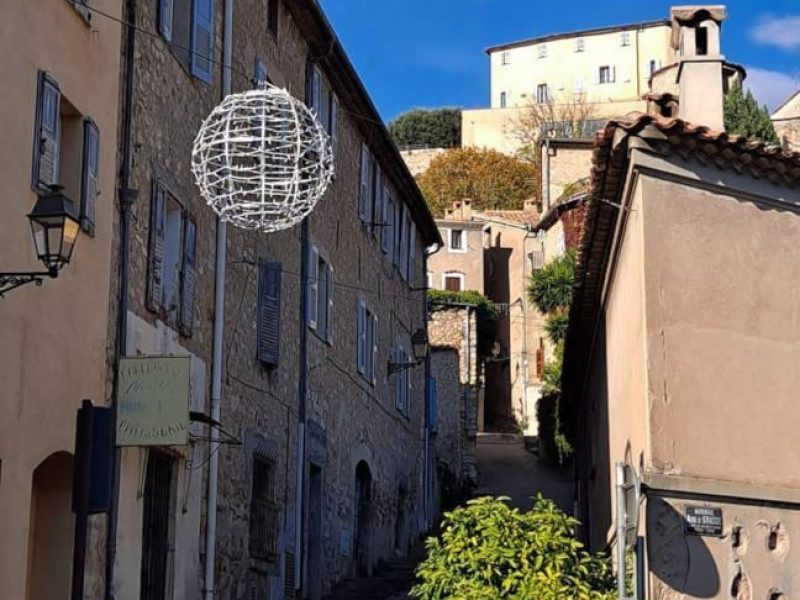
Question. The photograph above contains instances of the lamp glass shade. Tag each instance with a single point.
(419, 341)
(55, 228)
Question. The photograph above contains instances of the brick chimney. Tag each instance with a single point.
(696, 40)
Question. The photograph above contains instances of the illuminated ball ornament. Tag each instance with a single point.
(262, 159)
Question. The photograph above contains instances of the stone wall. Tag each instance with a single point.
(418, 160)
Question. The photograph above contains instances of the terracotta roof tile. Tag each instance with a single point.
(525, 217)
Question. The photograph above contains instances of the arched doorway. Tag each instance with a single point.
(51, 529)
(363, 499)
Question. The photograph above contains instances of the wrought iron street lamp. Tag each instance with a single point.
(419, 344)
(55, 227)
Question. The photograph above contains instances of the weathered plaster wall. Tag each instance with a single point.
(468, 262)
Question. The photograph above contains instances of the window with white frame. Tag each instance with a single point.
(457, 240)
(542, 93)
(579, 87)
(402, 381)
(320, 294)
(453, 281)
(503, 101)
(541, 51)
(505, 58)
(625, 38)
(366, 341)
(189, 27)
(580, 45)
(606, 74)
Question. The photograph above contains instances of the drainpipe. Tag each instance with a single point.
(428, 473)
(126, 196)
(302, 385)
(216, 356)
(547, 174)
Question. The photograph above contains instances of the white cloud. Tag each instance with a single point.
(770, 87)
(783, 32)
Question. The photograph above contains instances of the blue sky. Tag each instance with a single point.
(430, 53)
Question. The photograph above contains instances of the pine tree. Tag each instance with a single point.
(744, 116)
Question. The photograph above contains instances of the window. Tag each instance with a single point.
(505, 58)
(580, 45)
(402, 381)
(625, 38)
(701, 41)
(453, 282)
(387, 220)
(189, 24)
(273, 16)
(320, 294)
(542, 50)
(268, 333)
(157, 527)
(456, 238)
(366, 341)
(172, 264)
(66, 151)
(365, 187)
(579, 86)
(542, 93)
(429, 281)
(325, 103)
(264, 511)
(654, 66)
(502, 99)
(606, 74)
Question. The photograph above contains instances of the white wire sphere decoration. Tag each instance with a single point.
(262, 159)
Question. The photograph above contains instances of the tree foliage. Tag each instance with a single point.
(550, 288)
(434, 128)
(489, 550)
(490, 179)
(744, 116)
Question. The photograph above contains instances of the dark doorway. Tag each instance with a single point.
(400, 533)
(363, 498)
(156, 526)
(315, 533)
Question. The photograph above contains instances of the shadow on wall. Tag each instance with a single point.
(680, 561)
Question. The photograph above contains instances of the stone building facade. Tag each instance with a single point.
(312, 406)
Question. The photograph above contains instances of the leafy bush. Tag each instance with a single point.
(550, 288)
(489, 550)
(434, 128)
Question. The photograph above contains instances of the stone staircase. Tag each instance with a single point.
(392, 581)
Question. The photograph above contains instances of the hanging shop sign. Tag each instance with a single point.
(153, 401)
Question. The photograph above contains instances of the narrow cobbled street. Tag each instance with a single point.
(505, 468)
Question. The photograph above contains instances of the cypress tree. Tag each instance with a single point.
(744, 116)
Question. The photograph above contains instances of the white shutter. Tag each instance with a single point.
(613, 74)
(90, 175)
(361, 337)
(46, 144)
(316, 90)
(313, 285)
(329, 304)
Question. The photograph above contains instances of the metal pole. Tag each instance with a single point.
(620, 547)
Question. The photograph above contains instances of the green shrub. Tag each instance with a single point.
(489, 550)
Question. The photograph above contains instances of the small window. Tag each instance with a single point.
(365, 186)
(273, 17)
(189, 27)
(605, 74)
(454, 282)
(580, 45)
(579, 86)
(502, 99)
(625, 38)
(542, 93)
(542, 50)
(505, 58)
(701, 41)
(457, 239)
(366, 342)
(264, 511)
(320, 295)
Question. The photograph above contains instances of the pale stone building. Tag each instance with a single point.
(607, 68)
(681, 354)
(60, 74)
(786, 120)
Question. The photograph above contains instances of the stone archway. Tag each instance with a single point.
(52, 529)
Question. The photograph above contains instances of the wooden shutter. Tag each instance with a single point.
(48, 133)
(398, 233)
(412, 251)
(90, 175)
(269, 313)
(334, 129)
(363, 195)
(385, 228)
(405, 226)
(374, 349)
(389, 228)
(188, 276)
(376, 198)
(361, 337)
(328, 333)
(165, 12)
(313, 285)
(202, 39)
(155, 277)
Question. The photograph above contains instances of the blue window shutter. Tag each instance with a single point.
(203, 39)
(188, 277)
(48, 131)
(269, 313)
(361, 337)
(165, 13)
(313, 285)
(90, 175)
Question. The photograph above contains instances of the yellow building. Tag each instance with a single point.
(607, 69)
(58, 118)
